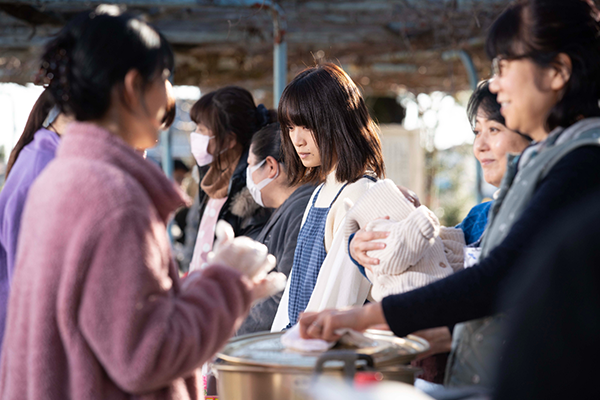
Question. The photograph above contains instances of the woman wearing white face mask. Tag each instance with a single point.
(269, 185)
(226, 119)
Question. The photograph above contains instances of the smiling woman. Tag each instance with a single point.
(557, 89)
(493, 140)
(493, 143)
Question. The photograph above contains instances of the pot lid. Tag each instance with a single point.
(265, 349)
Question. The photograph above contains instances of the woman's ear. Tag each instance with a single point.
(132, 86)
(273, 167)
(561, 73)
(231, 141)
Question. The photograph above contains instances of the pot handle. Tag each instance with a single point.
(348, 357)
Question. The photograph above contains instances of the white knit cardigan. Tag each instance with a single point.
(418, 250)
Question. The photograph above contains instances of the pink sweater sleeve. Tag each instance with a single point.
(143, 332)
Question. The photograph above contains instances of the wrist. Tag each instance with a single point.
(372, 314)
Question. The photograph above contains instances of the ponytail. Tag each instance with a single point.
(93, 53)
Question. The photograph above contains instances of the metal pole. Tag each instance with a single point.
(463, 56)
(167, 154)
(279, 52)
(279, 71)
(167, 166)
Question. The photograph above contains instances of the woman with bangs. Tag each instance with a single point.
(329, 139)
(546, 64)
(96, 309)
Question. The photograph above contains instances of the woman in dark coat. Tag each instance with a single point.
(268, 183)
(546, 64)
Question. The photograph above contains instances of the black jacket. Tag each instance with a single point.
(245, 216)
(279, 235)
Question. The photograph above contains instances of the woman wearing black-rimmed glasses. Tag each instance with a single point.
(547, 64)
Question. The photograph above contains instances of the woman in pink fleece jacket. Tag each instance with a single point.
(96, 309)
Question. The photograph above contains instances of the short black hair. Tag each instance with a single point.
(94, 52)
(484, 100)
(324, 100)
(267, 143)
(543, 29)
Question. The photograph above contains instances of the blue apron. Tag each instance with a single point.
(308, 258)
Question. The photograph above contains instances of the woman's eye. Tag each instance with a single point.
(476, 133)
(502, 66)
(494, 130)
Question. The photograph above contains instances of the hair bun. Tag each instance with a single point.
(82, 64)
(262, 115)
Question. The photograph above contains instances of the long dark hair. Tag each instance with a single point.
(324, 100)
(541, 30)
(37, 116)
(230, 111)
(94, 52)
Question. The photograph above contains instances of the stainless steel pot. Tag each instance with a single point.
(258, 367)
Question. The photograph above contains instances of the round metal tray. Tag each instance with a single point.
(266, 350)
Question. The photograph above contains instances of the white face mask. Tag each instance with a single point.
(255, 188)
(199, 145)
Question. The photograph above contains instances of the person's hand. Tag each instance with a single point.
(410, 196)
(249, 257)
(323, 325)
(265, 286)
(440, 340)
(260, 289)
(381, 327)
(364, 241)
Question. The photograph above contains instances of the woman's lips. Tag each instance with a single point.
(303, 155)
(487, 161)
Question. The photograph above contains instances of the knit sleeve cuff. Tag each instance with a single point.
(390, 312)
(426, 221)
(452, 234)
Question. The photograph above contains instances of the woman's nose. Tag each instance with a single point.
(494, 85)
(481, 143)
(296, 137)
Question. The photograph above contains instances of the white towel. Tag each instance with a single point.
(291, 340)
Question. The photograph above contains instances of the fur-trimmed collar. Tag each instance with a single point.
(243, 205)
